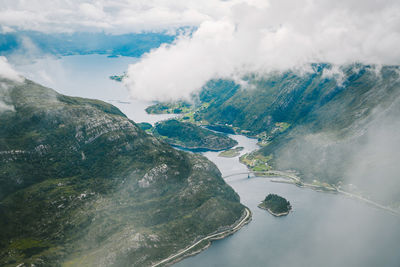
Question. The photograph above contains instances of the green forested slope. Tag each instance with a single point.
(191, 136)
(82, 185)
(337, 125)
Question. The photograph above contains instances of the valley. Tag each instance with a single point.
(326, 213)
(199, 133)
(313, 125)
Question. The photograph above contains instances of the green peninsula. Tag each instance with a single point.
(192, 137)
(231, 153)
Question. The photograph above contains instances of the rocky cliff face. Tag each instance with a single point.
(82, 185)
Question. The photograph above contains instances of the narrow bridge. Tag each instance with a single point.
(242, 173)
(296, 179)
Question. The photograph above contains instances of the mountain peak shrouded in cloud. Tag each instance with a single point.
(7, 72)
(279, 36)
(230, 38)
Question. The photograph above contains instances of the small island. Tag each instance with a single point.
(276, 205)
(231, 153)
(118, 78)
(192, 137)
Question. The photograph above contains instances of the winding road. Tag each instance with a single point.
(209, 237)
(297, 179)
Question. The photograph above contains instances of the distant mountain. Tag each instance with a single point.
(62, 44)
(294, 97)
(337, 125)
(82, 185)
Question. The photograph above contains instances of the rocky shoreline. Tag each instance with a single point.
(261, 206)
(191, 250)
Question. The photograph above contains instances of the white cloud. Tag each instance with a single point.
(7, 72)
(6, 29)
(113, 16)
(92, 11)
(175, 70)
(280, 35)
(233, 37)
(6, 107)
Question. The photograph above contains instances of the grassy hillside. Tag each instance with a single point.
(82, 185)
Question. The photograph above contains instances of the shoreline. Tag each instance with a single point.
(273, 213)
(198, 149)
(290, 178)
(293, 179)
(188, 251)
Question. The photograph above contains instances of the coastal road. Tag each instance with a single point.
(271, 173)
(210, 237)
(297, 179)
(392, 211)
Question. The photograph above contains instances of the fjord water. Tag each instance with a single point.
(323, 229)
(88, 76)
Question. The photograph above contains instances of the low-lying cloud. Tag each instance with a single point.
(361, 156)
(7, 72)
(231, 38)
(277, 36)
(374, 166)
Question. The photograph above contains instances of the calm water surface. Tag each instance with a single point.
(323, 229)
(88, 76)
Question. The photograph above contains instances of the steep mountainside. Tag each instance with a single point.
(82, 185)
(293, 97)
(334, 125)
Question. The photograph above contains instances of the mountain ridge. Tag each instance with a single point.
(328, 123)
(81, 184)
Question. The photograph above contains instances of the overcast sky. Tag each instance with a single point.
(233, 38)
(112, 16)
